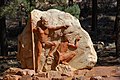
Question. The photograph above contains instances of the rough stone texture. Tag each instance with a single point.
(41, 74)
(25, 48)
(18, 71)
(85, 54)
(100, 73)
(12, 77)
(96, 78)
(12, 71)
(26, 72)
(54, 74)
(112, 78)
(104, 71)
(39, 78)
(27, 77)
(58, 78)
(65, 69)
(97, 73)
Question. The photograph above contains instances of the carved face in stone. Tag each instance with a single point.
(43, 21)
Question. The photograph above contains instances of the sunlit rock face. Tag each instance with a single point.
(80, 55)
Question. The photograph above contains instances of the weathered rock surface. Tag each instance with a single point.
(12, 71)
(18, 71)
(11, 77)
(97, 73)
(85, 54)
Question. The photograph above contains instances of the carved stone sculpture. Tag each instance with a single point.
(64, 55)
(41, 32)
(54, 37)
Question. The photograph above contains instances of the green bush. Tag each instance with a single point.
(13, 7)
(73, 10)
(58, 1)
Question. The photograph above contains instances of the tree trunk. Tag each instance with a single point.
(117, 26)
(94, 15)
(3, 42)
(70, 3)
(31, 3)
(94, 20)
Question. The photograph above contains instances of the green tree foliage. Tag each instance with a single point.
(58, 1)
(13, 7)
(73, 10)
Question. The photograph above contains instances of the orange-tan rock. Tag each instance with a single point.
(58, 35)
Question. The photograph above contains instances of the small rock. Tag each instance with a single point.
(12, 71)
(39, 78)
(26, 72)
(27, 77)
(96, 78)
(78, 78)
(66, 70)
(21, 73)
(54, 74)
(41, 74)
(29, 72)
(58, 78)
(11, 77)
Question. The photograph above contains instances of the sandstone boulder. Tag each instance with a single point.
(85, 55)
